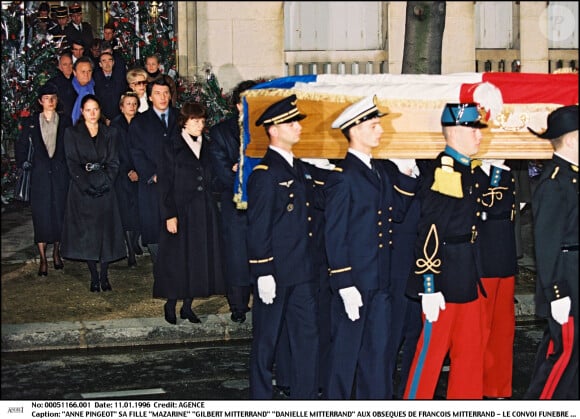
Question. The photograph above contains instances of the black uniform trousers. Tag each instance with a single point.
(296, 308)
(363, 349)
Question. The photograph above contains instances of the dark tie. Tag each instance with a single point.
(107, 78)
(375, 170)
(163, 120)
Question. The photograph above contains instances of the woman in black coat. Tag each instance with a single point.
(126, 185)
(49, 173)
(189, 262)
(92, 223)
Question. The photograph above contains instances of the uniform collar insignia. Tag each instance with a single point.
(457, 156)
(287, 183)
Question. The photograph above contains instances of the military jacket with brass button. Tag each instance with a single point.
(555, 210)
(446, 257)
(282, 219)
(496, 231)
(360, 209)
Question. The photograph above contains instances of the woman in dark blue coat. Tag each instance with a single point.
(49, 176)
(189, 263)
(126, 185)
(92, 229)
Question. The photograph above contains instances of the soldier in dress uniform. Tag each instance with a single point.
(497, 244)
(79, 30)
(446, 277)
(555, 211)
(58, 30)
(363, 199)
(282, 192)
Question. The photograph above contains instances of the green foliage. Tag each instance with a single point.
(143, 32)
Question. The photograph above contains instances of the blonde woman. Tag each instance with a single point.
(126, 184)
(137, 80)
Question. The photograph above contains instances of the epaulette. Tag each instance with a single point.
(337, 169)
(261, 167)
(447, 181)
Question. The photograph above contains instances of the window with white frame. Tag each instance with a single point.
(333, 26)
(562, 25)
(494, 26)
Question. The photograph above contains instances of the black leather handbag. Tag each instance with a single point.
(22, 188)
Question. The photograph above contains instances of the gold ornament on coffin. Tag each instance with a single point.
(512, 121)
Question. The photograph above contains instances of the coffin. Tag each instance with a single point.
(412, 129)
(414, 103)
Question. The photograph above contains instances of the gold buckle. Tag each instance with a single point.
(473, 236)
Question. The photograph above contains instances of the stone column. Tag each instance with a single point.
(533, 41)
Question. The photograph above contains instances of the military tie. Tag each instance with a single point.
(375, 170)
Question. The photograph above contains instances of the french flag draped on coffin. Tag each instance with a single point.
(511, 101)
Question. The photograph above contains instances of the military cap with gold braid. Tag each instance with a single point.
(358, 112)
(281, 112)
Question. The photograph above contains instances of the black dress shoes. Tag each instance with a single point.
(43, 269)
(189, 315)
(57, 262)
(95, 287)
(169, 312)
(105, 284)
(238, 317)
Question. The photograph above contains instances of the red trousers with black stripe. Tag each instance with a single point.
(499, 322)
(457, 331)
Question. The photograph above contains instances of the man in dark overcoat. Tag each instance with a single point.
(63, 80)
(363, 198)
(147, 133)
(109, 85)
(555, 207)
(281, 248)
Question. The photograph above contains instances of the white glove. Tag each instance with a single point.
(407, 166)
(352, 301)
(561, 309)
(267, 288)
(320, 163)
(431, 303)
(496, 163)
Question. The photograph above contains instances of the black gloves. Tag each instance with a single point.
(96, 192)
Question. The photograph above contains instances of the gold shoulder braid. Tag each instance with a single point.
(447, 181)
(261, 167)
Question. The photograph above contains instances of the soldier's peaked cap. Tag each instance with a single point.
(61, 11)
(462, 114)
(75, 8)
(281, 112)
(358, 112)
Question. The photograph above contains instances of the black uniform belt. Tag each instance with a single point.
(570, 248)
(463, 238)
(92, 167)
(506, 215)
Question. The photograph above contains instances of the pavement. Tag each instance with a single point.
(18, 247)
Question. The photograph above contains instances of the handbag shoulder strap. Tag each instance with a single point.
(30, 148)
